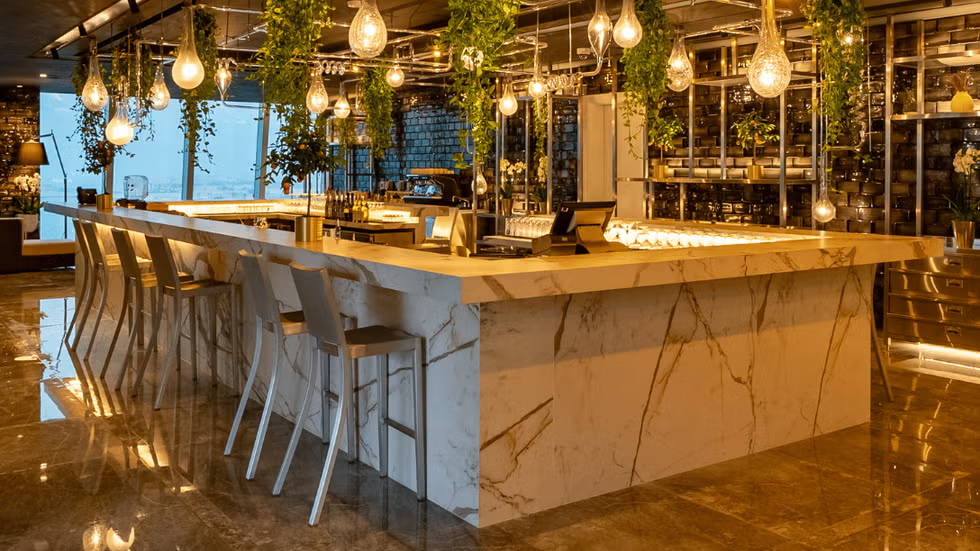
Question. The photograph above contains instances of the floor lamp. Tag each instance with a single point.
(33, 153)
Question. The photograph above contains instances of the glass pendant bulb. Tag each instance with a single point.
(188, 71)
(368, 34)
(222, 77)
(680, 72)
(395, 76)
(481, 183)
(119, 131)
(159, 94)
(600, 30)
(317, 99)
(537, 88)
(341, 109)
(508, 102)
(94, 94)
(824, 210)
(769, 70)
(628, 32)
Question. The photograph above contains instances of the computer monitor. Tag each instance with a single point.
(576, 214)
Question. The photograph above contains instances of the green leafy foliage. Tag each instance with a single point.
(645, 66)
(97, 151)
(541, 120)
(195, 109)
(345, 131)
(662, 131)
(378, 96)
(752, 130)
(293, 30)
(485, 26)
(842, 64)
(26, 205)
(133, 73)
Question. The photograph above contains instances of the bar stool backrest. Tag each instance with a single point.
(82, 242)
(319, 304)
(127, 255)
(259, 287)
(92, 239)
(163, 261)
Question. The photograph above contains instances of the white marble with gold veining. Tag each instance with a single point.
(553, 380)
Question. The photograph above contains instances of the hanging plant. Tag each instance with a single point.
(345, 132)
(195, 109)
(645, 66)
(293, 30)
(541, 120)
(838, 28)
(97, 151)
(133, 73)
(378, 95)
(476, 34)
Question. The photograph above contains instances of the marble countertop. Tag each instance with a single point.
(479, 280)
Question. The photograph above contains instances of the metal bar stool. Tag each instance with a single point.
(101, 264)
(325, 325)
(135, 281)
(170, 284)
(282, 324)
(87, 274)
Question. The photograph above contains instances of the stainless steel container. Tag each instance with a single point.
(309, 228)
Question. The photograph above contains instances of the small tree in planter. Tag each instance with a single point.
(751, 131)
(660, 134)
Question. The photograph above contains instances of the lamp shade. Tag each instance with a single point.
(32, 154)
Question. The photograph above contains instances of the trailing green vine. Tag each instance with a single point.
(345, 130)
(645, 66)
(97, 151)
(378, 96)
(476, 34)
(293, 30)
(541, 120)
(133, 74)
(838, 27)
(195, 111)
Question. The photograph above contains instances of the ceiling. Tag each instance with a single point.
(32, 25)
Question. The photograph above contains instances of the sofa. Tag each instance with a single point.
(27, 255)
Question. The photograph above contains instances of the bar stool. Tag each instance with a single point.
(86, 275)
(99, 264)
(282, 324)
(324, 324)
(134, 282)
(170, 284)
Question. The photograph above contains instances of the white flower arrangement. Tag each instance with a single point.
(965, 161)
(512, 169)
(29, 183)
(542, 172)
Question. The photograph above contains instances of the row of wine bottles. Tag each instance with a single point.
(350, 206)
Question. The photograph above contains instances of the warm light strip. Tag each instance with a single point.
(955, 353)
(91, 24)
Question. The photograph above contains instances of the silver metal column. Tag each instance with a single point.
(920, 92)
(889, 111)
(261, 172)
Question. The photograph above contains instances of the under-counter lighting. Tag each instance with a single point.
(647, 236)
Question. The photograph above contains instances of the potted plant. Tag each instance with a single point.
(539, 195)
(966, 211)
(660, 134)
(751, 131)
(27, 209)
(961, 102)
(507, 198)
(509, 172)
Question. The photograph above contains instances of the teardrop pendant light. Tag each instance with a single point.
(600, 30)
(94, 94)
(508, 102)
(317, 99)
(628, 32)
(769, 70)
(368, 35)
(188, 71)
(159, 94)
(680, 72)
(119, 131)
(222, 77)
(341, 109)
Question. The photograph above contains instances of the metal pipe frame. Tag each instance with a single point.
(889, 111)
(920, 102)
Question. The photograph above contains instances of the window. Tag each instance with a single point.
(160, 159)
(231, 170)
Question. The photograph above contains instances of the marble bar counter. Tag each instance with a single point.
(555, 379)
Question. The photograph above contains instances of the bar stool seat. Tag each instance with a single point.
(171, 284)
(326, 326)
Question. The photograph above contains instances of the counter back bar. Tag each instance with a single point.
(553, 379)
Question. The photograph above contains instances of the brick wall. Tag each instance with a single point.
(19, 112)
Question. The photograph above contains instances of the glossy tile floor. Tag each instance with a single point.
(77, 459)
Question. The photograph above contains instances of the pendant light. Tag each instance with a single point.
(368, 34)
(317, 99)
(119, 131)
(94, 93)
(824, 210)
(537, 88)
(600, 30)
(508, 102)
(159, 94)
(395, 76)
(188, 71)
(628, 32)
(680, 72)
(222, 77)
(769, 70)
(341, 109)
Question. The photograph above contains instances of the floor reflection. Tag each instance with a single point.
(83, 466)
